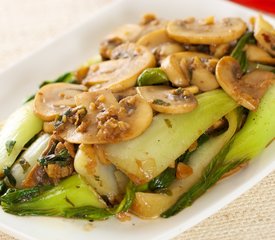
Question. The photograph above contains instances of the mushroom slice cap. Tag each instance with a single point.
(176, 66)
(168, 100)
(155, 38)
(153, 25)
(160, 43)
(265, 35)
(139, 115)
(125, 33)
(189, 55)
(128, 61)
(256, 54)
(177, 73)
(247, 90)
(107, 121)
(54, 99)
(204, 80)
(125, 93)
(198, 32)
(202, 77)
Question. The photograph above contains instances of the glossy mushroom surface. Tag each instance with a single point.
(127, 62)
(246, 89)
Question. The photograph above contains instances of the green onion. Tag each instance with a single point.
(162, 181)
(62, 158)
(9, 146)
(238, 52)
(9, 176)
(259, 66)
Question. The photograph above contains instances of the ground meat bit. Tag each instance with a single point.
(123, 216)
(111, 112)
(109, 125)
(48, 127)
(183, 171)
(147, 18)
(111, 129)
(83, 126)
(128, 104)
(56, 171)
(70, 148)
(81, 73)
(73, 115)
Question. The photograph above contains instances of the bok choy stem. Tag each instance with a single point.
(141, 158)
(19, 128)
(257, 132)
(150, 205)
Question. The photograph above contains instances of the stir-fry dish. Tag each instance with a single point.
(166, 110)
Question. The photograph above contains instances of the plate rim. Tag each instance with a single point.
(208, 211)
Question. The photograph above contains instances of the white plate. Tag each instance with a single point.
(72, 49)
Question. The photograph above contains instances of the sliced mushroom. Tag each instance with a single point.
(54, 99)
(127, 62)
(177, 73)
(265, 35)
(106, 120)
(168, 100)
(160, 44)
(200, 32)
(256, 54)
(247, 90)
(202, 77)
(125, 93)
(177, 66)
(125, 33)
(151, 23)
(219, 50)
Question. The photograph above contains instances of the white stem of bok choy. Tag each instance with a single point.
(169, 135)
(18, 129)
(151, 205)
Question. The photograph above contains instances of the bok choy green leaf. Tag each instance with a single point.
(71, 198)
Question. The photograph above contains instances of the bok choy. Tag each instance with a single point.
(18, 129)
(146, 156)
(147, 128)
(151, 205)
(255, 135)
(71, 198)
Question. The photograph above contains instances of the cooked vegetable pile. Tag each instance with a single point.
(167, 110)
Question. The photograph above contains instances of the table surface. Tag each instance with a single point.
(26, 25)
